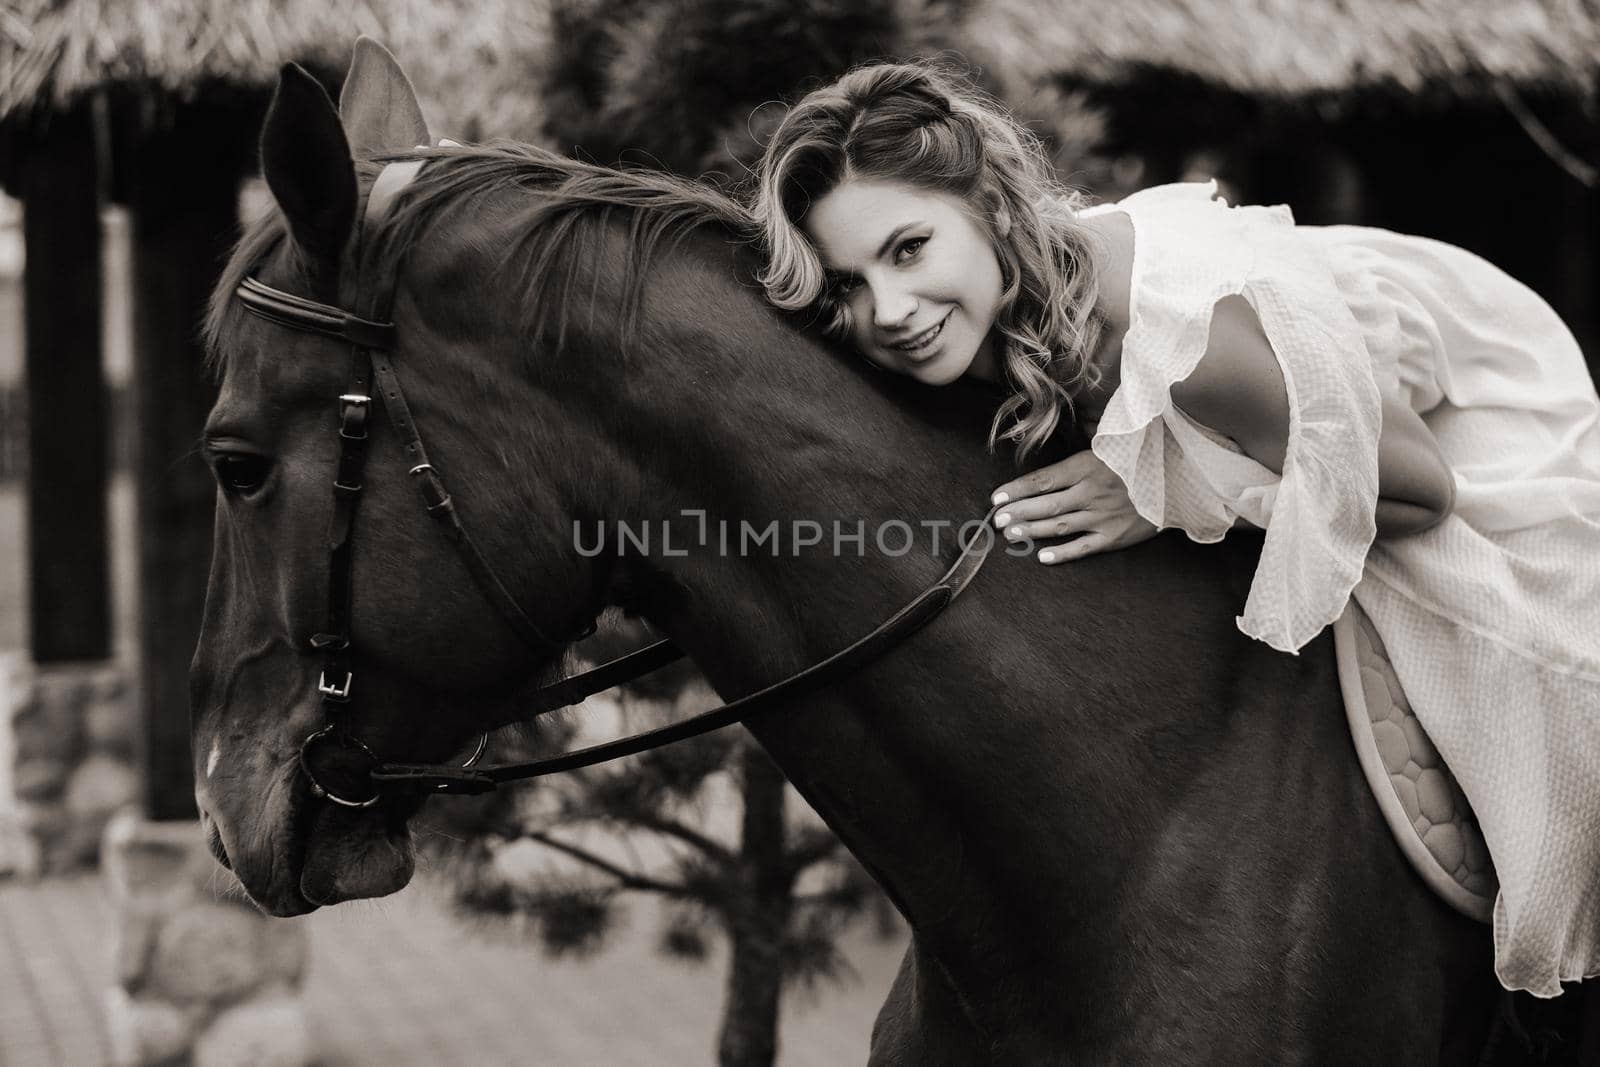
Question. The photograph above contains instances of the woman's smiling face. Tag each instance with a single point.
(918, 273)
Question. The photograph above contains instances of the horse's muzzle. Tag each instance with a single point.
(214, 840)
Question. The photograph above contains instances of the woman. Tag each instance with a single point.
(1408, 424)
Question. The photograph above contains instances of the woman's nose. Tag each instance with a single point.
(892, 308)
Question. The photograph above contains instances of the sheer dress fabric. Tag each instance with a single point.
(1492, 618)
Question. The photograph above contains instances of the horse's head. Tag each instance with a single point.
(421, 619)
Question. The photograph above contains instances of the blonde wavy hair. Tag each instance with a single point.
(931, 129)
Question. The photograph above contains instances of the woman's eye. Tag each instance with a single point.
(845, 286)
(240, 472)
(909, 249)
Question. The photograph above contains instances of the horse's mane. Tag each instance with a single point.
(545, 240)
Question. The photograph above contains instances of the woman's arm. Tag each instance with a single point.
(1416, 488)
(1237, 389)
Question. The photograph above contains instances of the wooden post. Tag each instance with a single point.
(69, 603)
(183, 206)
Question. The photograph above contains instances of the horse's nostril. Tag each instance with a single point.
(214, 842)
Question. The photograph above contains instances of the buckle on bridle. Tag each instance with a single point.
(335, 692)
(353, 409)
(434, 497)
(332, 644)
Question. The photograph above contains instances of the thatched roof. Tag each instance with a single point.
(1457, 48)
(474, 61)
(479, 64)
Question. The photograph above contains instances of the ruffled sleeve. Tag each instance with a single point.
(1190, 251)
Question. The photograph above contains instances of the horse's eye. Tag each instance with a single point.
(241, 472)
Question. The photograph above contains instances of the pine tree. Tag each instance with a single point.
(561, 857)
(690, 85)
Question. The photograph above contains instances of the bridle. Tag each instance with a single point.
(372, 377)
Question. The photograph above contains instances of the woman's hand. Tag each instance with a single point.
(1078, 496)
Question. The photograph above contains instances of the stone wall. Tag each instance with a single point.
(69, 734)
(202, 978)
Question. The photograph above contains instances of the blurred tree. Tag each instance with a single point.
(705, 825)
(697, 86)
(681, 83)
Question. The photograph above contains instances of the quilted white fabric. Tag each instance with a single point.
(1492, 618)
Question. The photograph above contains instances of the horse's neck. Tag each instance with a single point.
(951, 767)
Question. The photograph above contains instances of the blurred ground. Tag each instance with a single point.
(400, 982)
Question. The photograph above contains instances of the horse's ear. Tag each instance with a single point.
(306, 162)
(378, 104)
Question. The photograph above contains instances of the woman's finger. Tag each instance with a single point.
(1074, 498)
(1077, 548)
(1063, 524)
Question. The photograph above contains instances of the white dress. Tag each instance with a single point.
(1492, 617)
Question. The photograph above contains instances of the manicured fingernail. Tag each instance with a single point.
(1047, 556)
(1015, 533)
(1002, 519)
(1000, 498)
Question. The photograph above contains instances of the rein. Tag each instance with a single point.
(326, 754)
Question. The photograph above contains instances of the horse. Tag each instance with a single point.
(1120, 831)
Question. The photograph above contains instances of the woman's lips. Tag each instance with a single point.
(921, 344)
